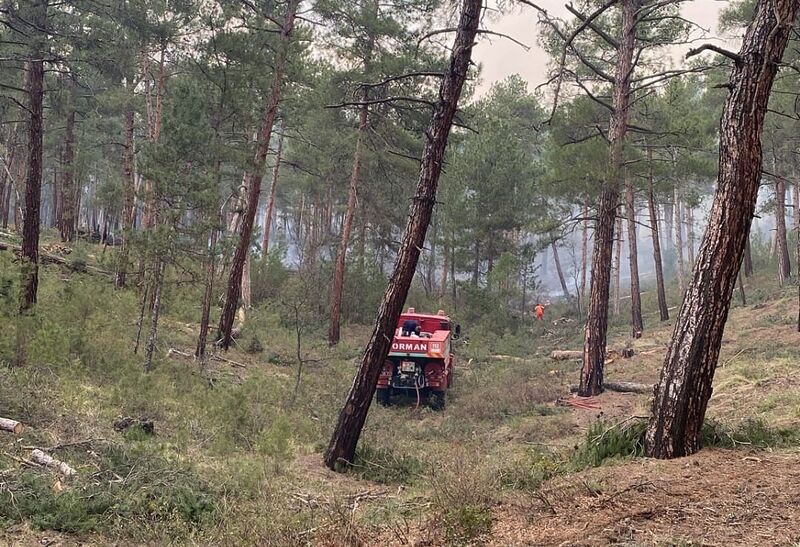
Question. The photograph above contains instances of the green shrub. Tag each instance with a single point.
(530, 471)
(604, 441)
(135, 488)
(751, 432)
(384, 466)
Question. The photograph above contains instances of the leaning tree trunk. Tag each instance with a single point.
(271, 203)
(685, 385)
(784, 263)
(560, 272)
(254, 184)
(637, 323)
(659, 267)
(33, 186)
(347, 226)
(129, 189)
(342, 447)
(594, 344)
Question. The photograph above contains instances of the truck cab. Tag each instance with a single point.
(421, 360)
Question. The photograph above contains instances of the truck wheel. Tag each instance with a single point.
(382, 396)
(437, 400)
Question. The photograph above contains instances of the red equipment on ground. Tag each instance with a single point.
(421, 360)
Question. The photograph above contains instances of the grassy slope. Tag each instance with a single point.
(236, 458)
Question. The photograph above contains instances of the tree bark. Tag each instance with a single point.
(659, 267)
(129, 189)
(33, 186)
(594, 345)
(347, 226)
(637, 323)
(685, 385)
(271, 203)
(254, 191)
(784, 262)
(342, 446)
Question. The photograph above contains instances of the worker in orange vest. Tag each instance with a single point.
(539, 311)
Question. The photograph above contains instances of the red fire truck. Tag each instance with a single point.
(421, 359)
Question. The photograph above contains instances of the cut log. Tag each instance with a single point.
(49, 461)
(629, 387)
(13, 426)
(564, 355)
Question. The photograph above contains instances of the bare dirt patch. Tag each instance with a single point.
(716, 497)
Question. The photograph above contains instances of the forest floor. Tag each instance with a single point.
(236, 455)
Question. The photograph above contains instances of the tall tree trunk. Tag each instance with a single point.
(69, 216)
(594, 345)
(347, 226)
(669, 214)
(784, 263)
(685, 385)
(155, 109)
(33, 186)
(129, 189)
(617, 268)
(342, 446)
(680, 269)
(150, 347)
(659, 267)
(272, 192)
(445, 268)
(55, 206)
(202, 338)
(254, 191)
(637, 323)
(561, 278)
(584, 252)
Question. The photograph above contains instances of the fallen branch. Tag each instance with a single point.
(564, 355)
(12, 426)
(212, 357)
(623, 387)
(629, 387)
(46, 460)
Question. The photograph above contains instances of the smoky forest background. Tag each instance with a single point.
(213, 212)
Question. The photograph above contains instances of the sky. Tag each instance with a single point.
(501, 57)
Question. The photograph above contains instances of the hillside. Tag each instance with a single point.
(236, 454)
